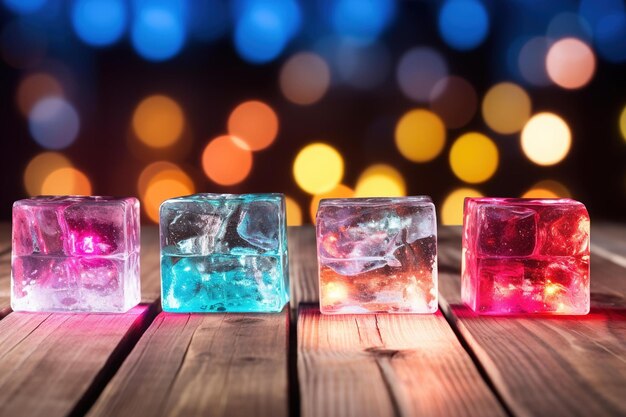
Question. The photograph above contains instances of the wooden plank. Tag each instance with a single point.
(542, 365)
(196, 365)
(380, 365)
(51, 363)
(610, 237)
(56, 364)
(386, 365)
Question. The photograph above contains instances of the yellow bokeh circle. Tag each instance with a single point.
(294, 212)
(318, 168)
(40, 167)
(506, 107)
(380, 180)
(158, 121)
(420, 135)
(474, 158)
(66, 181)
(546, 139)
(340, 191)
(548, 189)
(452, 208)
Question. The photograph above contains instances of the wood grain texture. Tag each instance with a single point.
(542, 365)
(196, 365)
(609, 236)
(50, 362)
(386, 365)
(381, 365)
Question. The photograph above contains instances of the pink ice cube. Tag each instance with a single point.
(525, 256)
(75, 254)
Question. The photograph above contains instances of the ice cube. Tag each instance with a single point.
(565, 231)
(97, 228)
(82, 254)
(224, 252)
(192, 228)
(374, 255)
(525, 256)
(259, 224)
(506, 231)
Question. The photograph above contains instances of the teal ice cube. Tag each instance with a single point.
(224, 253)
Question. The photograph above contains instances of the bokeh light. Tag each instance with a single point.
(454, 100)
(362, 66)
(99, 22)
(53, 123)
(227, 160)
(609, 35)
(210, 20)
(24, 44)
(264, 27)
(547, 189)
(506, 108)
(318, 168)
(157, 32)
(593, 11)
(162, 182)
(294, 212)
(419, 70)
(380, 180)
(463, 24)
(532, 61)
(40, 167)
(340, 191)
(66, 181)
(420, 135)
(569, 24)
(33, 88)
(304, 78)
(159, 170)
(570, 63)
(622, 123)
(474, 158)
(255, 123)
(546, 139)
(158, 121)
(361, 20)
(24, 6)
(452, 207)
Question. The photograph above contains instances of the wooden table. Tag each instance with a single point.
(298, 362)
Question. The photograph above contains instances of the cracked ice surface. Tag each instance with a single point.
(377, 254)
(224, 252)
(526, 256)
(75, 254)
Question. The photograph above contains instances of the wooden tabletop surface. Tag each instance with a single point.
(299, 362)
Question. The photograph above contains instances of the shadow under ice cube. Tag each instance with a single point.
(77, 254)
(224, 253)
(525, 256)
(377, 255)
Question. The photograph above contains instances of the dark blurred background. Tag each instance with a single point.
(158, 98)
